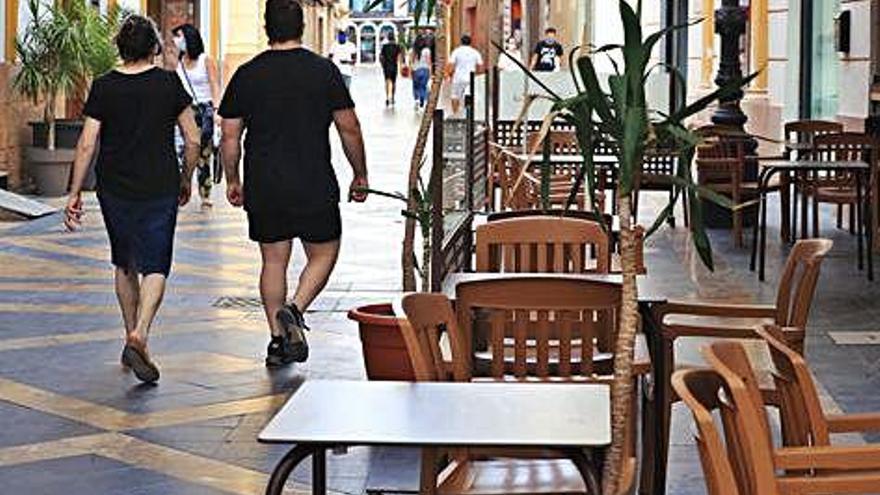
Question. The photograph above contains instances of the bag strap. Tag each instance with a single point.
(188, 82)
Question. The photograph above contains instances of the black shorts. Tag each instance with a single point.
(390, 72)
(280, 225)
(141, 232)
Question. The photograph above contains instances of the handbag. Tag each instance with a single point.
(204, 114)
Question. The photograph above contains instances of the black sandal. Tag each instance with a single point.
(143, 368)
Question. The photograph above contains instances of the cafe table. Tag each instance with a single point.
(323, 415)
(650, 296)
(796, 169)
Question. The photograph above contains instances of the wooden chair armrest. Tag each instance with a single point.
(845, 423)
(855, 457)
(697, 308)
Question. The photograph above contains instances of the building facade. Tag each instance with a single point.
(369, 29)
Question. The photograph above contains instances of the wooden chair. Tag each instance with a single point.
(543, 245)
(565, 310)
(794, 298)
(805, 131)
(701, 391)
(658, 166)
(765, 470)
(839, 188)
(804, 423)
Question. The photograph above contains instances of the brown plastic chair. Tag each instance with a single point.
(542, 245)
(794, 298)
(804, 423)
(700, 390)
(431, 317)
(839, 188)
(767, 470)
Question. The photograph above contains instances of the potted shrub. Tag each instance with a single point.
(61, 48)
(385, 353)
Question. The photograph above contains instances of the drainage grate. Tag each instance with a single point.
(855, 338)
(243, 303)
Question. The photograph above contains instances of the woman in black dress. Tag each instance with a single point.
(390, 56)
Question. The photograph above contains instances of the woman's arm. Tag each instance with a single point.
(213, 79)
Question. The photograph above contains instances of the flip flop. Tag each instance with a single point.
(143, 368)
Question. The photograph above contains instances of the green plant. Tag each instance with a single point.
(61, 48)
(621, 113)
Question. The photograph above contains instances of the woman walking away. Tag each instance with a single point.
(134, 110)
(390, 57)
(421, 64)
(198, 73)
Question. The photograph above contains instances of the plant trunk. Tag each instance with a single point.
(50, 122)
(622, 386)
(426, 258)
(415, 164)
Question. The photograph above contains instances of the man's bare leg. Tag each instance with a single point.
(320, 260)
(273, 280)
(128, 294)
(152, 291)
(456, 105)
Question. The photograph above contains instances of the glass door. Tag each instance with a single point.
(825, 61)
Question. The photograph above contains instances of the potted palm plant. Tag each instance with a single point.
(62, 47)
(620, 110)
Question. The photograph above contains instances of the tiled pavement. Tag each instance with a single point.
(72, 422)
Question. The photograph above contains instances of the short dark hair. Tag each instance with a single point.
(466, 39)
(137, 39)
(549, 30)
(284, 20)
(194, 44)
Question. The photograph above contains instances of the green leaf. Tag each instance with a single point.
(598, 100)
(632, 147)
(720, 93)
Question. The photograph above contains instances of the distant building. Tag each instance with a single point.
(367, 30)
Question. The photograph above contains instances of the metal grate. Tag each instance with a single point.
(242, 303)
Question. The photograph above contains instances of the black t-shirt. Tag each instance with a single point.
(389, 55)
(547, 51)
(286, 99)
(138, 113)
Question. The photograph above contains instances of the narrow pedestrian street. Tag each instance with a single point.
(74, 422)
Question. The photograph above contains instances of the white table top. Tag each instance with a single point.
(444, 414)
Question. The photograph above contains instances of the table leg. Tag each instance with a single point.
(861, 223)
(590, 469)
(869, 224)
(288, 464)
(762, 195)
(659, 413)
(319, 471)
(795, 180)
(804, 206)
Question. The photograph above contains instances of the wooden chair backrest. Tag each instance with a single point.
(561, 142)
(848, 146)
(542, 245)
(803, 421)
(794, 297)
(429, 318)
(804, 131)
(744, 418)
(527, 316)
(700, 390)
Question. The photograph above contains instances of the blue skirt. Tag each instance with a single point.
(141, 232)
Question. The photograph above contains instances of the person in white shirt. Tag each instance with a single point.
(463, 61)
(512, 48)
(344, 55)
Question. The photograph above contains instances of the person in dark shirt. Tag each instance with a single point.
(548, 52)
(390, 57)
(286, 98)
(134, 109)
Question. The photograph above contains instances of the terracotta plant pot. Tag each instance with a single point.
(385, 355)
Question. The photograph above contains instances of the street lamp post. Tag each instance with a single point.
(730, 24)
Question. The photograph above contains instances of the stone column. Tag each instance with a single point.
(11, 29)
(760, 44)
(708, 56)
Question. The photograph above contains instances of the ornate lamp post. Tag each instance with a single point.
(730, 24)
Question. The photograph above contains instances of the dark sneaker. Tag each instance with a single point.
(279, 352)
(294, 325)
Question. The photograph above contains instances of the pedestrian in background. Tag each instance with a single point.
(463, 61)
(512, 52)
(199, 75)
(421, 63)
(134, 110)
(390, 58)
(285, 99)
(344, 54)
(548, 52)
